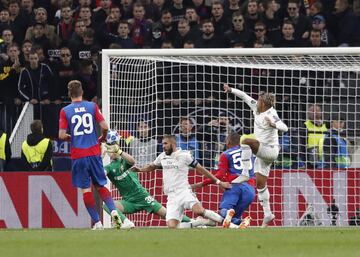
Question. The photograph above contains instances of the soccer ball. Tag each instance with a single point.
(112, 137)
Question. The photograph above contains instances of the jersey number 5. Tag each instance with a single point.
(236, 156)
(83, 124)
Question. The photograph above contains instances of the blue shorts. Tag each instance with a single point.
(239, 197)
(86, 170)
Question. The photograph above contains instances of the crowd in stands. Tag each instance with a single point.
(44, 44)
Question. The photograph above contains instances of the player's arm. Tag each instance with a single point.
(251, 102)
(277, 123)
(127, 157)
(207, 174)
(104, 127)
(63, 125)
(147, 168)
(220, 173)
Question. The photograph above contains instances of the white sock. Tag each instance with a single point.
(264, 199)
(185, 225)
(212, 215)
(245, 159)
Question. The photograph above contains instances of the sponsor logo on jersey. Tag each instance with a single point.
(122, 176)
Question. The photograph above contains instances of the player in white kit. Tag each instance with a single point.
(265, 146)
(175, 165)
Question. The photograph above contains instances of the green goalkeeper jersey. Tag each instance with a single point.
(125, 180)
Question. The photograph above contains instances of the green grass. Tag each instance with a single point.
(294, 242)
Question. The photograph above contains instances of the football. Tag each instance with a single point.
(112, 137)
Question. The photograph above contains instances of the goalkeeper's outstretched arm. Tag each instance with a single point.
(251, 102)
(147, 168)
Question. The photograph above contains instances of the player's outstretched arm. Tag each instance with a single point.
(127, 157)
(147, 168)
(206, 173)
(104, 127)
(277, 124)
(251, 102)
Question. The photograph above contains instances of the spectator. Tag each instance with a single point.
(239, 33)
(157, 35)
(4, 20)
(25, 51)
(177, 11)
(201, 9)
(167, 44)
(88, 78)
(186, 138)
(35, 83)
(41, 39)
(19, 21)
(8, 38)
(288, 39)
(319, 23)
(143, 148)
(28, 6)
(312, 137)
(89, 42)
(64, 71)
(49, 30)
(346, 25)
(140, 31)
(252, 14)
(77, 38)
(315, 39)
(184, 34)
(101, 12)
(127, 8)
(316, 8)
(355, 220)
(122, 38)
(110, 26)
(208, 38)
(302, 23)
(260, 34)
(9, 77)
(193, 19)
(272, 21)
(189, 44)
(220, 22)
(231, 7)
(85, 15)
(336, 153)
(5, 150)
(36, 150)
(168, 29)
(65, 27)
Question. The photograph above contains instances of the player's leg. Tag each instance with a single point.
(81, 179)
(262, 170)
(228, 203)
(99, 180)
(246, 197)
(162, 213)
(120, 209)
(174, 211)
(248, 147)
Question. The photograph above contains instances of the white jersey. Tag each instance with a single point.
(175, 169)
(264, 133)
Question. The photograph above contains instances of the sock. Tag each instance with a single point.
(106, 197)
(185, 219)
(245, 159)
(264, 199)
(185, 225)
(212, 215)
(223, 213)
(89, 201)
(121, 215)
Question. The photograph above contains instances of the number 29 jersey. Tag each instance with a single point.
(81, 118)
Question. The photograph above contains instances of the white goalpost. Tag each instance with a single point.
(147, 93)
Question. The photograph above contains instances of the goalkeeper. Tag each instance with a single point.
(135, 197)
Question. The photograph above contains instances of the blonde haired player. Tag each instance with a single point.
(265, 147)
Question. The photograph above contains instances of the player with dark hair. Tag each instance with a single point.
(265, 146)
(238, 198)
(80, 118)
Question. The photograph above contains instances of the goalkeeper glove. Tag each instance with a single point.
(114, 149)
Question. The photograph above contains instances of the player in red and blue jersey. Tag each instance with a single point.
(80, 118)
(237, 199)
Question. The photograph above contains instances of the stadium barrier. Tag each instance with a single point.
(48, 200)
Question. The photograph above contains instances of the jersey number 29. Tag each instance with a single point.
(83, 124)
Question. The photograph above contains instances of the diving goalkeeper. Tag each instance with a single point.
(135, 197)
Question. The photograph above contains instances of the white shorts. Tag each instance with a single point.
(178, 202)
(265, 156)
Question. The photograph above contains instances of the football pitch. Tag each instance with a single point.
(209, 242)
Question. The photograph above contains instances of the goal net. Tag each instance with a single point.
(315, 181)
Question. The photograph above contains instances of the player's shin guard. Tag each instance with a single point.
(121, 215)
(90, 205)
(264, 199)
(246, 159)
(212, 215)
(106, 197)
